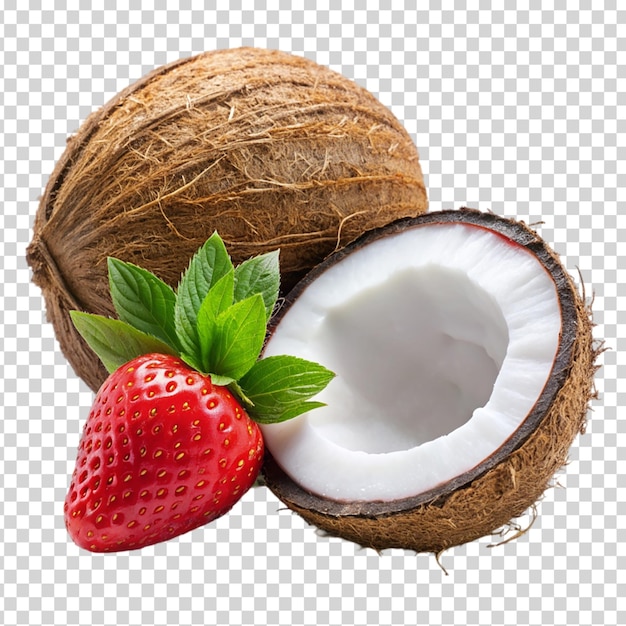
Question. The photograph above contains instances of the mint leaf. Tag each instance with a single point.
(192, 362)
(114, 341)
(206, 267)
(260, 274)
(240, 395)
(238, 339)
(218, 300)
(143, 300)
(222, 381)
(279, 386)
(294, 411)
(216, 322)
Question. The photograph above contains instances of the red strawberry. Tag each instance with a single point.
(167, 447)
(163, 452)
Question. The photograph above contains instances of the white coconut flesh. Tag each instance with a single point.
(442, 337)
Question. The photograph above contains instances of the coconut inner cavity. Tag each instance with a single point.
(442, 338)
(423, 349)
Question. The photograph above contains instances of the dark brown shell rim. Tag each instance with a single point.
(515, 232)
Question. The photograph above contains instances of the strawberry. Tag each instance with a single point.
(163, 452)
(169, 443)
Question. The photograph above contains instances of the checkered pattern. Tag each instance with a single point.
(519, 110)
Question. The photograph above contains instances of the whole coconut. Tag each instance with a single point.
(269, 149)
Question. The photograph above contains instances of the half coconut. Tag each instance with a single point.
(464, 363)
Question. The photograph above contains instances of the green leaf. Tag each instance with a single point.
(222, 381)
(218, 300)
(206, 268)
(114, 341)
(298, 409)
(279, 387)
(240, 395)
(260, 274)
(191, 361)
(143, 300)
(239, 337)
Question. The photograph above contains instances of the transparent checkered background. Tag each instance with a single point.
(519, 110)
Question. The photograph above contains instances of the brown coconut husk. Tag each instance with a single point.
(515, 476)
(269, 149)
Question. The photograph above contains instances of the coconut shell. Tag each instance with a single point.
(269, 149)
(509, 481)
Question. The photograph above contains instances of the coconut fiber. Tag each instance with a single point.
(269, 149)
